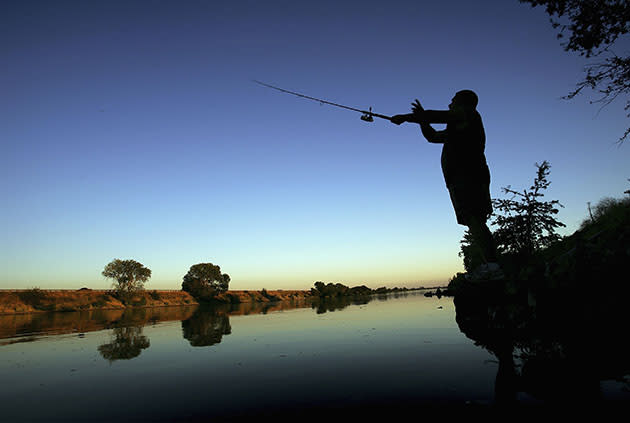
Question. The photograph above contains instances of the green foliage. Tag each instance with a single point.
(525, 224)
(155, 295)
(593, 28)
(129, 276)
(204, 281)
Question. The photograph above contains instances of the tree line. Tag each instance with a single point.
(332, 290)
(203, 280)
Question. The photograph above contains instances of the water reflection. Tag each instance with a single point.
(331, 304)
(552, 352)
(127, 342)
(32, 326)
(206, 327)
(377, 360)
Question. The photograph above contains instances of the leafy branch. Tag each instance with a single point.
(525, 224)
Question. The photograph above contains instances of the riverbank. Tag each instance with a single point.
(41, 300)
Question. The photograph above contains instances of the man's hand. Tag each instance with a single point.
(398, 119)
(417, 108)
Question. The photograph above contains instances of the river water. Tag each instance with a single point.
(385, 354)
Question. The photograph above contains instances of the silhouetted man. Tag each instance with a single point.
(465, 169)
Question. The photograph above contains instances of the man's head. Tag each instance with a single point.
(464, 98)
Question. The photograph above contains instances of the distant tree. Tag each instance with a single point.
(129, 276)
(330, 290)
(593, 27)
(319, 288)
(525, 224)
(205, 280)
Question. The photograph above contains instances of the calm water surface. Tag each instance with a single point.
(204, 363)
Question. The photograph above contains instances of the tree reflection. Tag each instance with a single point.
(206, 327)
(330, 304)
(127, 343)
(549, 350)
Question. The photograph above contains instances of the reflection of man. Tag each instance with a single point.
(465, 169)
(492, 326)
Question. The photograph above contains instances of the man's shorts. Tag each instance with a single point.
(471, 199)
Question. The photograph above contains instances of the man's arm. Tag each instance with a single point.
(398, 119)
(421, 116)
(424, 118)
(414, 117)
(431, 135)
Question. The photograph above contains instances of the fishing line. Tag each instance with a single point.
(367, 116)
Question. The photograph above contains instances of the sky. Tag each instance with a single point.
(133, 130)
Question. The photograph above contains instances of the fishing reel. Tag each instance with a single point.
(367, 117)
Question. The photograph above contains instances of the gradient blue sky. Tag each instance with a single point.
(131, 129)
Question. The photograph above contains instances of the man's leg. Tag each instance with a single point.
(483, 238)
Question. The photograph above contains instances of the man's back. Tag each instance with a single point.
(463, 155)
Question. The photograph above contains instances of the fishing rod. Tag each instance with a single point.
(368, 115)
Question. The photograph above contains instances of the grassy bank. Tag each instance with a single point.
(40, 300)
(264, 296)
